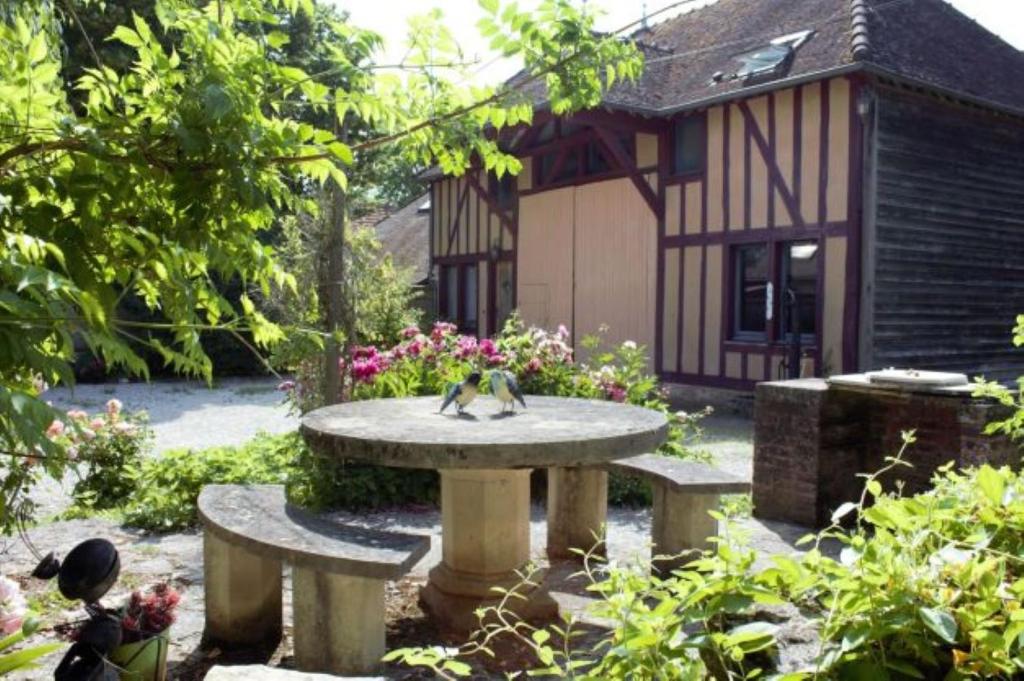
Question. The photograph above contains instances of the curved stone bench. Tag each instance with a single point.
(684, 493)
(338, 575)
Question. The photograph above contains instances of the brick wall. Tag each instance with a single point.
(812, 439)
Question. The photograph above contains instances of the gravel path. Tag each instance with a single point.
(189, 413)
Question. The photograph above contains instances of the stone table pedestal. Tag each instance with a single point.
(484, 458)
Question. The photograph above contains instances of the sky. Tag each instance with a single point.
(387, 17)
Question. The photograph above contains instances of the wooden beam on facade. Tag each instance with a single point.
(611, 142)
(453, 230)
(492, 203)
(774, 173)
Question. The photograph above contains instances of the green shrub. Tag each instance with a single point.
(166, 489)
(924, 587)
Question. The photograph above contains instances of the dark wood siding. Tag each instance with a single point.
(948, 240)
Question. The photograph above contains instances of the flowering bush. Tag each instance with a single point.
(148, 614)
(106, 449)
(426, 363)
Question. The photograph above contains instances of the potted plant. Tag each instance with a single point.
(145, 634)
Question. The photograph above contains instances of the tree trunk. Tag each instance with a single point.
(333, 288)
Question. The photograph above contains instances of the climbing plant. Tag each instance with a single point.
(161, 178)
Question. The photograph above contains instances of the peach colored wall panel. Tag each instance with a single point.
(693, 210)
(691, 310)
(646, 150)
(737, 181)
(733, 365)
(838, 149)
(544, 288)
(835, 296)
(712, 310)
(759, 167)
(784, 152)
(715, 169)
(810, 145)
(673, 209)
(524, 180)
(616, 262)
(670, 325)
(755, 366)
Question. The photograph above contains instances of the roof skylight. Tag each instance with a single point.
(771, 61)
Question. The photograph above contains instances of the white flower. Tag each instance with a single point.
(629, 345)
(13, 607)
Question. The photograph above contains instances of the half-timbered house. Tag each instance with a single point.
(815, 185)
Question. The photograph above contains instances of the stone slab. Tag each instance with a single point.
(552, 431)
(682, 476)
(902, 381)
(258, 672)
(259, 519)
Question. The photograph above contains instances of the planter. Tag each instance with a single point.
(144, 660)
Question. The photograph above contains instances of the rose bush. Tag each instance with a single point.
(106, 451)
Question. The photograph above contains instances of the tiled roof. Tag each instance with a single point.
(405, 234)
(927, 41)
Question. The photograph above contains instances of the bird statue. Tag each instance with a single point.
(505, 387)
(462, 393)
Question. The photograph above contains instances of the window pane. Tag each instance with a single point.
(799, 286)
(596, 162)
(750, 295)
(688, 152)
(469, 300)
(504, 297)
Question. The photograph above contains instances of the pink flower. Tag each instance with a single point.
(364, 370)
(114, 407)
(13, 607)
(415, 347)
(364, 352)
(341, 364)
(77, 415)
(465, 347)
(72, 453)
(534, 365)
(410, 332)
(124, 428)
(97, 423)
(495, 359)
(88, 434)
(442, 329)
(55, 430)
(563, 332)
(488, 348)
(616, 393)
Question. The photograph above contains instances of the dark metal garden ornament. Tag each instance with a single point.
(86, 574)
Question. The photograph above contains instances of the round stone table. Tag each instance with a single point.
(484, 458)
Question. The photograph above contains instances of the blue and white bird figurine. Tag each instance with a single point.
(505, 387)
(463, 393)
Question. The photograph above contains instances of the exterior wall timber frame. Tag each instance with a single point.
(746, 147)
(779, 165)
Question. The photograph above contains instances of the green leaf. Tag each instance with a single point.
(489, 6)
(216, 101)
(941, 622)
(341, 151)
(992, 484)
(277, 39)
